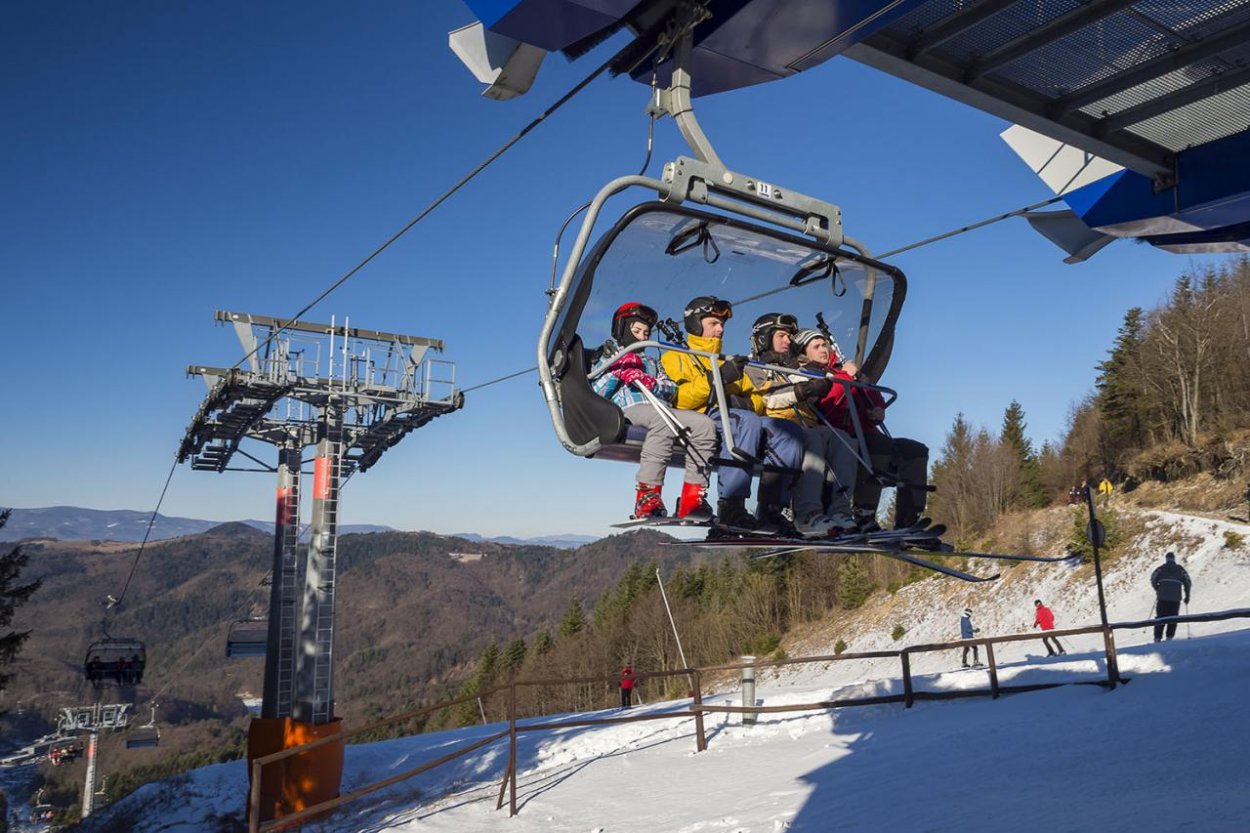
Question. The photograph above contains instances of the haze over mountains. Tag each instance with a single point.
(74, 523)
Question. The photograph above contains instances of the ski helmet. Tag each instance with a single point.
(625, 315)
(764, 327)
(702, 307)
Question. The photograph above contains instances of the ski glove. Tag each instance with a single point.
(731, 370)
(813, 390)
(632, 374)
(1187, 600)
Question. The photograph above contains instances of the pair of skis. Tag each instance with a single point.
(905, 545)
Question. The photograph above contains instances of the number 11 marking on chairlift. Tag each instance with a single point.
(763, 189)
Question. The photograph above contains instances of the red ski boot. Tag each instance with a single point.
(648, 504)
(693, 505)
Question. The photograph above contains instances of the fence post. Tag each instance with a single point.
(700, 738)
(512, 749)
(748, 690)
(908, 697)
(989, 655)
(253, 815)
(1113, 664)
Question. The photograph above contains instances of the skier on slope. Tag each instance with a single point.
(1045, 619)
(1171, 584)
(631, 324)
(966, 631)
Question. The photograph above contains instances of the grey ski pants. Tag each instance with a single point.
(827, 458)
(657, 447)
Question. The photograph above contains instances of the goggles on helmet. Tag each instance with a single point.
(710, 307)
(625, 312)
(776, 321)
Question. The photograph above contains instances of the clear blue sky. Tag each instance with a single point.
(163, 160)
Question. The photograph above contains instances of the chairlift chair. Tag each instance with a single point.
(115, 660)
(712, 232)
(145, 736)
(248, 638)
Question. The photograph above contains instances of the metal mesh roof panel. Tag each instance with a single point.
(1101, 40)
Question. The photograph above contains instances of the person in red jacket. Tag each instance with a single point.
(1045, 620)
(627, 687)
(898, 457)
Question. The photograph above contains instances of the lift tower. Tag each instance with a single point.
(352, 394)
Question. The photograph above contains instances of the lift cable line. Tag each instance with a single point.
(116, 602)
(982, 224)
(628, 52)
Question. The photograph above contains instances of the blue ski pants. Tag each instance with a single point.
(776, 441)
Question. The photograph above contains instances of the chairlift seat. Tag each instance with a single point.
(115, 660)
(143, 737)
(248, 638)
(636, 259)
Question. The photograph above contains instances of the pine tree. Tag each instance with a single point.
(574, 619)
(1123, 401)
(12, 596)
(514, 655)
(543, 642)
(1028, 492)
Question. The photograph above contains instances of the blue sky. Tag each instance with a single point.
(164, 160)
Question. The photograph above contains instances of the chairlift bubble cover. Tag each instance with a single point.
(663, 256)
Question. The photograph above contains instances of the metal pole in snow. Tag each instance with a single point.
(664, 596)
(748, 689)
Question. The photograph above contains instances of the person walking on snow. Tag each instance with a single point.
(966, 631)
(627, 687)
(774, 441)
(1171, 584)
(1045, 620)
(631, 324)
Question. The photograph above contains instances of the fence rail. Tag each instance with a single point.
(698, 708)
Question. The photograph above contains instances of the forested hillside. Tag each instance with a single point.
(1171, 401)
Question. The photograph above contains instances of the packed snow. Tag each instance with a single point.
(1163, 752)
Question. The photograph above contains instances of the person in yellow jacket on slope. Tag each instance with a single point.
(777, 442)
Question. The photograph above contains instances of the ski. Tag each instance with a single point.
(713, 528)
(936, 567)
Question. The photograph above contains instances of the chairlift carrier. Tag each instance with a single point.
(116, 660)
(715, 232)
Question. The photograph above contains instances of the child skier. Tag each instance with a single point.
(631, 324)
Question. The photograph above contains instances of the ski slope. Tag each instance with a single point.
(1164, 752)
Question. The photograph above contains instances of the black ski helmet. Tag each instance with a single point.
(703, 307)
(764, 326)
(627, 313)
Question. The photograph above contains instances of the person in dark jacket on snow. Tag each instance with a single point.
(1045, 620)
(966, 631)
(1171, 584)
(631, 324)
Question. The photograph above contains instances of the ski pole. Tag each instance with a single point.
(1188, 626)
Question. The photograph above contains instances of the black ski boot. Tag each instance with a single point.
(732, 518)
(769, 517)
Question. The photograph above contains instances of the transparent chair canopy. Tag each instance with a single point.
(664, 256)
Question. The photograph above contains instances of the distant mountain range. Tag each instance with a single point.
(73, 523)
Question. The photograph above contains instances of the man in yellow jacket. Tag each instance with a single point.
(777, 442)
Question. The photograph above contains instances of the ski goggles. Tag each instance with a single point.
(781, 321)
(642, 312)
(710, 307)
